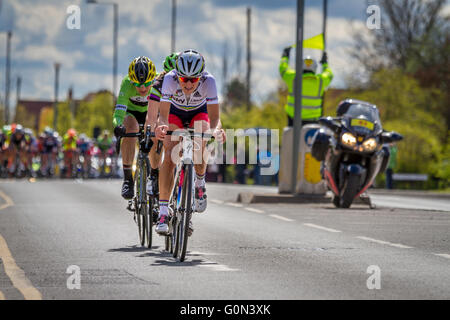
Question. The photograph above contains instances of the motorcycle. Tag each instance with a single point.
(353, 149)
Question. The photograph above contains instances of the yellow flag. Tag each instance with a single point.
(314, 43)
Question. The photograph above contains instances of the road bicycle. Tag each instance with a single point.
(143, 205)
(181, 204)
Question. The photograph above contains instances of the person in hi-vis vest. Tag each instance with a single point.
(313, 87)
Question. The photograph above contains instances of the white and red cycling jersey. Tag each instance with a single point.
(206, 92)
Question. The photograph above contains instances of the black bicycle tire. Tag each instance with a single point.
(187, 202)
(175, 222)
(148, 204)
(137, 209)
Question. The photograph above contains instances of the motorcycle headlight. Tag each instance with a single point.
(348, 139)
(370, 144)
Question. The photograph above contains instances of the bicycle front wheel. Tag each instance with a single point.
(187, 200)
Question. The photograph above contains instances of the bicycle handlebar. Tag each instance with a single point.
(148, 134)
(191, 134)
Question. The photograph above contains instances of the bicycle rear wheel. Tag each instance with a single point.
(187, 198)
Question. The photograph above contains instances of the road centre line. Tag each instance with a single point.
(280, 218)
(397, 245)
(443, 255)
(321, 228)
(217, 201)
(254, 210)
(237, 205)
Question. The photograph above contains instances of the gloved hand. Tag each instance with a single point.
(324, 58)
(119, 130)
(286, 52)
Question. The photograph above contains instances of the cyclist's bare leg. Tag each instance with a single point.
(166, 175)
(129, 144)
(200, 168)
(154, 157)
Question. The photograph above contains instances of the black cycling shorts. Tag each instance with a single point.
(139, 116)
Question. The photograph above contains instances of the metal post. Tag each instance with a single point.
(115, 53)
(7, 76)
(55, 105)
(298, 93)
(174, 21)
(325, 14)
(249, 66)
(18, 87)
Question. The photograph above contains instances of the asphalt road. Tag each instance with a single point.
(51, 229)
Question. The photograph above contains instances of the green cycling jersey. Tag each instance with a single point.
(128, 100)
(104, 144)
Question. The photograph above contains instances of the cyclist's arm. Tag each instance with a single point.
(164, 110)
(168, 88)
(214, 116)
(122, 103)
(153, 108)
(212, 102)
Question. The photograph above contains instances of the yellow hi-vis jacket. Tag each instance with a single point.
(313, 88)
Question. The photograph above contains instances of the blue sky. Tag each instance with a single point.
(42, 38)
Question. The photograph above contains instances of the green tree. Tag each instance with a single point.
(24, 118)
(95, 113)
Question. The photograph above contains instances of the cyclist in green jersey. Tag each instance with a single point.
(131, 110)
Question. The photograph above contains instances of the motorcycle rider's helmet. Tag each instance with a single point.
(190, 64)
(141, 70)
(309, 65)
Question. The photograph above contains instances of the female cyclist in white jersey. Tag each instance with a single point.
(188, 95)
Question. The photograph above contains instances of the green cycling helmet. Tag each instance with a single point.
(170, 62)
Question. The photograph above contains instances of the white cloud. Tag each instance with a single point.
(200, 25)
(50, 54)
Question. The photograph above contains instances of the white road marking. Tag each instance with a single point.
(217, 201)
(211, 265)
(443, 255)
(237, 205)
(281, 218)
(254, 210)
(397, 245)
(321, 228)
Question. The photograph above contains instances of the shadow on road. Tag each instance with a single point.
(134, 248)
(165, 258)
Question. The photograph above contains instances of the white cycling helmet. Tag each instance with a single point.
(190, 63)
(309, 64)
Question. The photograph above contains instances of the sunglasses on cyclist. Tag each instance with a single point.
(186, 79)
(147, 84)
